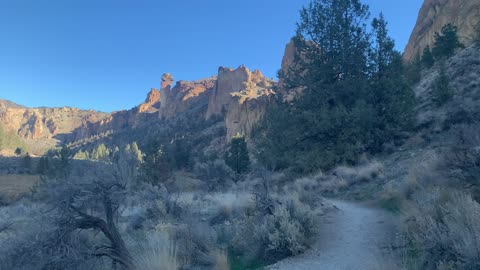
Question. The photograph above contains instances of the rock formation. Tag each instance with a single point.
(185, 95)
(434, 14)
(152, 103)
(242, 95)
(42, 128)
(239, 96)
(288, 61)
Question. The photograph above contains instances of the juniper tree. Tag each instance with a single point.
(427, 57)
(237, 155)
(446, 42)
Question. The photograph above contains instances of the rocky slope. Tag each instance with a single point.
(238, 96)
(434, 14)
(42, 128)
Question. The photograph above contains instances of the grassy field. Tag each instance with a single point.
(14, 185)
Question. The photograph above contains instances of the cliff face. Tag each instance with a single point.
(41, 128)
(434, 14)
(243, 96)
(152, 103)
(238, 95)
(44, 128)
(184, 96)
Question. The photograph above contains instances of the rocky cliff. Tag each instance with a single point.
(184, 95)
(42, 128)
(242, 96)
(238, 96)
(434, 14)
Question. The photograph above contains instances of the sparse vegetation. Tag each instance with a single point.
(427, 57)
(446, 42)
(355, 96)
(172, 193)
(442, 91)
(237, 155)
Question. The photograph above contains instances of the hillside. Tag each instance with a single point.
(358, 157)
(434, 14)
(237, 96)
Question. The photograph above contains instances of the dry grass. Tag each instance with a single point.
(12, 186)
(221, 260)
(158, 253)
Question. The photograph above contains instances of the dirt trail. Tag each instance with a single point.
(355, 238)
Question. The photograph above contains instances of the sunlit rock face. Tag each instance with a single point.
(152, 102)
(238, 96)
(183, 96)
(434, 14)
(242, 96)
(43, 128)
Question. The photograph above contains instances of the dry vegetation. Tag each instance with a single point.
(13, 186)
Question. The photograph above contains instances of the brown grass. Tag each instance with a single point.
(12, 186)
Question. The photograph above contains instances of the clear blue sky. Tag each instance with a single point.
(107, 54)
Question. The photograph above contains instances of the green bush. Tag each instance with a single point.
(355, 95)
(427, 57)
(237, 155)
(441, 90)
(446, 42)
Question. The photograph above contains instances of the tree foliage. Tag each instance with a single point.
(427, 57)
(237, 155)
(442, 91)
(446, 42)
(155, 169)
(355, 95)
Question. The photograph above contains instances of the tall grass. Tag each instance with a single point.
(159, 252)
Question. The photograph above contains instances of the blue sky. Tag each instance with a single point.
(106, 55)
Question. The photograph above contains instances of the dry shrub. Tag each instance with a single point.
(270, 234)
(196, 241)
(362, 173)
(158, 252)
(444, 225)
(344, 176)
(220, 258)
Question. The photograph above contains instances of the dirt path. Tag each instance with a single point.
(355, 238)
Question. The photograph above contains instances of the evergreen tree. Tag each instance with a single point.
(27, 162)
(61, 167)
(237, 155)
(43, 166)
(116, 154)
(413, 70)
(20, 151)
(136, 153)
(155, 169)
(427, 57)
(383, 51)
(442, 92)
(355, 94)
(81, 155)
(446, 42)
(101, 152)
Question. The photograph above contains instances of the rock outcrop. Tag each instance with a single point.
(239, 96)
(42, 128)
(242, 96)
(185, 95)
(463, 70)
(152, 103)
(288, 61)
(434, 14)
